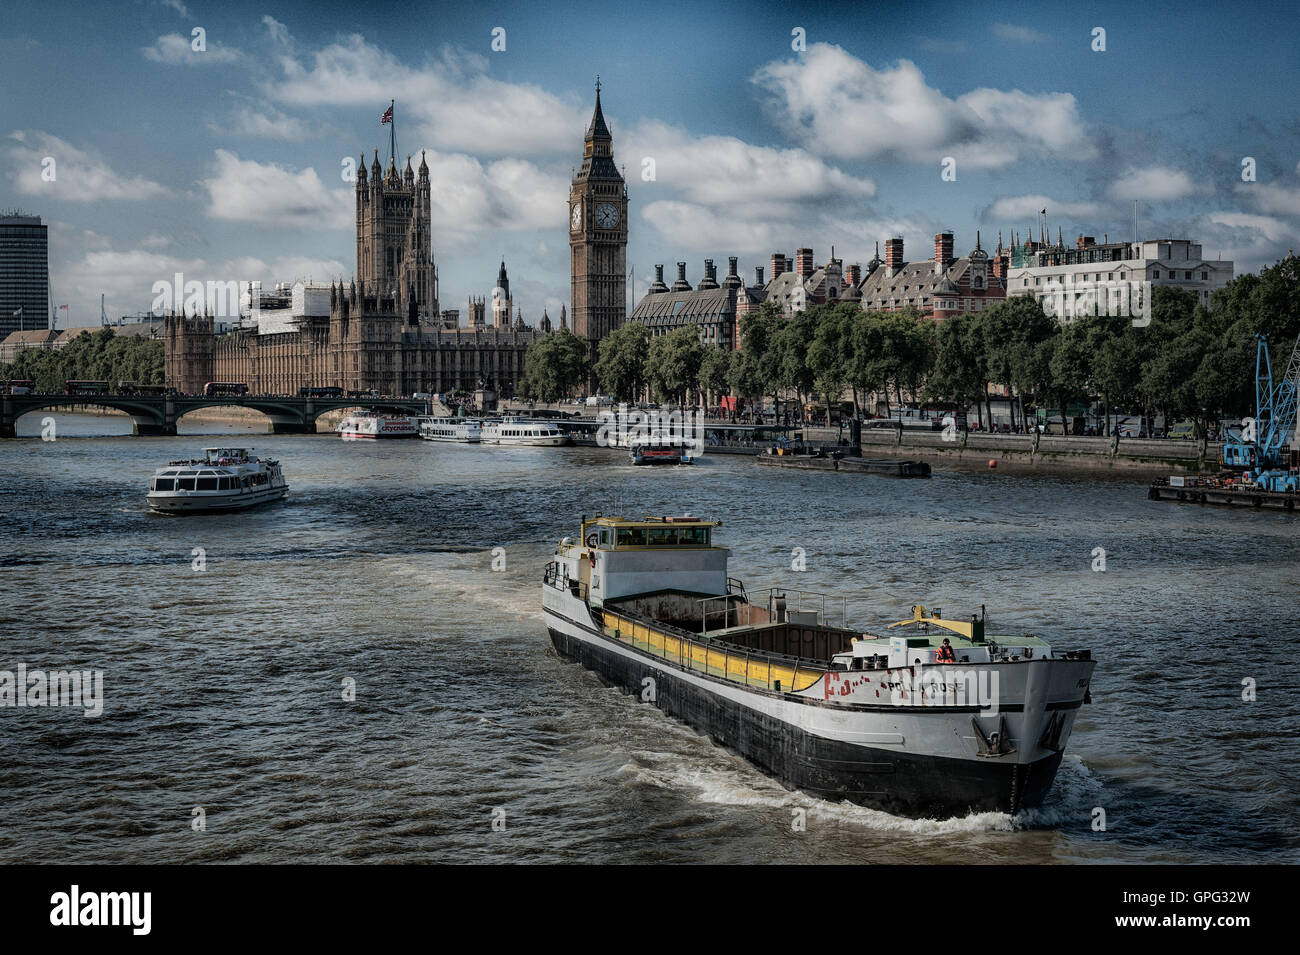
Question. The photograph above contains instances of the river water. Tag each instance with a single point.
(223, 687)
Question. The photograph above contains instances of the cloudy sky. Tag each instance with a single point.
(229, 163)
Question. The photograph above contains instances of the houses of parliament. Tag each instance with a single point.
(383, 330)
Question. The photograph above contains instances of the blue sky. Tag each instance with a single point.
(226, 164)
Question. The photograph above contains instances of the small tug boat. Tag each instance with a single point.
(377, 425)
(658, 449)
(225, 479)
(924, 717)
(459, 430)
(521, 431)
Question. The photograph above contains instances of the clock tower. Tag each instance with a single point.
(598, 236)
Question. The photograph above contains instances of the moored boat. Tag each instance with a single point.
(377, 425)
(521, 431)
(923, 717)
(459, 430)
(224, 479)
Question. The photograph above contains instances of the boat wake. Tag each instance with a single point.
(1072, 797)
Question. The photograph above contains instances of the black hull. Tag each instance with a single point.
(898, 783)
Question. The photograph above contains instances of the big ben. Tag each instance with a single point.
(598, 236)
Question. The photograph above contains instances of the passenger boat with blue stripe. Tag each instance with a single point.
(923, 717)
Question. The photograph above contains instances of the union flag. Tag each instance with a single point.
(387, 117)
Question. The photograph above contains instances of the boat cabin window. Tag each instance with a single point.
(207, 484)
(164, 484)
(660, 537)
(185, 484)
(604, 537)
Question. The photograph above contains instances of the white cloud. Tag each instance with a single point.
(174, 49)
(176, 5)
(841, 106)
(269, 123)
(1019, 34)
(469, 196)
(723, 169)
(1271, 197)
(1016, 209)
(78, 175)
(1249, 241)
(453, 102)
(1155, 184)
(272, 195)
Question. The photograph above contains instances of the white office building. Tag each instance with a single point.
(1111, 277)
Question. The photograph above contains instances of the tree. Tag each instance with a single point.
(958, 373)
(715, 371)
(554, 365)
(673, 364)
(621, 365)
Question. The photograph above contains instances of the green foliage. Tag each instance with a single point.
(554, 366)
(97, 356)
(621, 362)
(673, 364)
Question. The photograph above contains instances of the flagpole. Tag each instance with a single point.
(392, 131)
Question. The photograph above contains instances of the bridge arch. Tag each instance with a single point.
(146, 416)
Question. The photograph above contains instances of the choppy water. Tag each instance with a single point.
(223, 687)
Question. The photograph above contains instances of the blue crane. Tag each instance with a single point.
(1259, 447)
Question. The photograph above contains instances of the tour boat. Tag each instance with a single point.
(461, 430)
(225, 479)
(525, 432)
(377, 426)
(658, 449)
(923, 717)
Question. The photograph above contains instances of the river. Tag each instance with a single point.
(223, 686)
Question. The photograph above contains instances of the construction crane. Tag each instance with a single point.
(1259, 446)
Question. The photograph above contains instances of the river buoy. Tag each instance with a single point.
(992, 464)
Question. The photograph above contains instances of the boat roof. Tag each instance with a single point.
(619, 521)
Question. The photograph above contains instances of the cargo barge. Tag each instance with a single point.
(924, 717)
(1220, 491)
(836, 461)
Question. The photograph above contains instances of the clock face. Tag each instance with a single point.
(577, 216)
(606, 215)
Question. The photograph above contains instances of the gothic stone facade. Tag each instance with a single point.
(383, 334)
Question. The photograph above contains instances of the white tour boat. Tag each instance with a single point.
(521, 431)
(460, 430)
(358, 426)
(225, 479)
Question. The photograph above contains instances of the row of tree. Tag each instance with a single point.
(1191, 362)
(95, 356)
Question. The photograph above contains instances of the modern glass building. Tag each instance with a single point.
(24, 273)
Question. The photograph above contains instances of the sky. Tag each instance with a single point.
(745, 129)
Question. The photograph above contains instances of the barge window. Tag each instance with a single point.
(695, 536)
(604, 537)
(663, 535)
(631, 536)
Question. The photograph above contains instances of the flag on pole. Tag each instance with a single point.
(18, 310)
(387, 117)
(63, 307)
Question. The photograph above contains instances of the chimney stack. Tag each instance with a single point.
(943, 256)
(893, 255)
(710, 280)
(780, 265)
(758, 276)
(853, 274)
(681, 285)
(733, 278)
(804, 262)
(658, 285)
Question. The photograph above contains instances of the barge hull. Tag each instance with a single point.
(899, 783)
